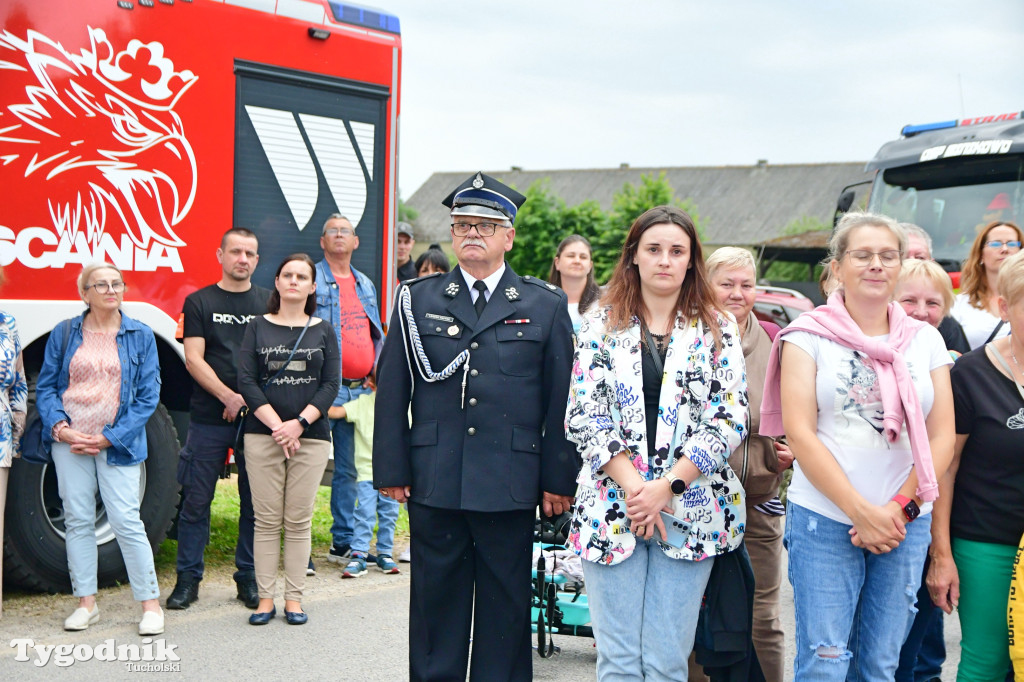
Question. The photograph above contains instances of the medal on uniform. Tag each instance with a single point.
(453, 330)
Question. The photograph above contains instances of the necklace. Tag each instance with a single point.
(1014, 356)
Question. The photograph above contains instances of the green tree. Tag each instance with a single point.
(406, 213)
(627, 205)
(545, 220)
(538, 230)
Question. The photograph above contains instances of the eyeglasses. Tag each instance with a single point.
(339, 231)
(1015, 244)
(862, 258)
(106, 287)
(482, 229)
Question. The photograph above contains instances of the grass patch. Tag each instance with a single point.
(220, 552)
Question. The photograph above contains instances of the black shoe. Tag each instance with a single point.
(296, 617)
(339, 554)
(185, 591)
(248, 593)
(262, 618)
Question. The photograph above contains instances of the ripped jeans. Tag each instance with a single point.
(853, 608)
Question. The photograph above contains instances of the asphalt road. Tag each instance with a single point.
(357, 630)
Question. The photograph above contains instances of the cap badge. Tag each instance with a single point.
(511, 294)
(478, 181)
(451, 290)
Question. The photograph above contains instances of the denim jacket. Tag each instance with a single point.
(140, 386)
(328, 308)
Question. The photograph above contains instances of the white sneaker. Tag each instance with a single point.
(82, 618)
(152, 623)
(406, 556)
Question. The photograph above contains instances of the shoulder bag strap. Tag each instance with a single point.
(659, 367)
(994, 332)
(1006, 366)
(290, 356)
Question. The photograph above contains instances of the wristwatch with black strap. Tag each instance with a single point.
(302, 421)
(909, 507)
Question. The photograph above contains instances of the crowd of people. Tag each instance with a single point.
(656, 414)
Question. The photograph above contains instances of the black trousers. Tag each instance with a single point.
(470, 567)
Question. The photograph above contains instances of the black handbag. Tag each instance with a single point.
(33, 449)
(239, 446)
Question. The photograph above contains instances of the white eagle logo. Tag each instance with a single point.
(99, 128)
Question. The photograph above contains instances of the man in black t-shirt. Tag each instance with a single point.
(404, 241)
(214, 322)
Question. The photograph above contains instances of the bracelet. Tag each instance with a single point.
(57, 428)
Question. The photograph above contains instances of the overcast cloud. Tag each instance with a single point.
(575, 84)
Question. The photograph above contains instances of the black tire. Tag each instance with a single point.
(35, 557)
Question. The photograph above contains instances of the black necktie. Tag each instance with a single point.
(481, 297)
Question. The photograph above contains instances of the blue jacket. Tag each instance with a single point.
(140, 386)
(328, 308)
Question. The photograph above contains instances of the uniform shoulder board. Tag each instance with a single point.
(536, 281)
(424, 277)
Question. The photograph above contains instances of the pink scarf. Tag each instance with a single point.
(899, 397)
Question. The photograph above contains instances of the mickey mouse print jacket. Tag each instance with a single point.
(702, 415)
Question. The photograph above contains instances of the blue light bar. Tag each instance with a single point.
(925, 127)
(364, 16)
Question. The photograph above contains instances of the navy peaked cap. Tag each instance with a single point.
(483, 195)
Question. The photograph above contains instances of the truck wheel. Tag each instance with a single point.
(35, 557)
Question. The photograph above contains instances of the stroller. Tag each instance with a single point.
(559, 602)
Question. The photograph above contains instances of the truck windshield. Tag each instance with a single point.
(952, 198)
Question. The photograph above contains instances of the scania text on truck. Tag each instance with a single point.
(137, 132)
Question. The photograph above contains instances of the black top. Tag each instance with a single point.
(953, 335)
(988, 501)
(407, 271)
(220, 317)
(312, 377)
(652, 391)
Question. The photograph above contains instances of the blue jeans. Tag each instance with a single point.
(78, 478)
(373, 509)
(199, 468)
(343, 481)
(853, 608)
(644, 612)
(924, 652)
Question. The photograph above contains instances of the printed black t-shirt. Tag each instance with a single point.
(988, 501)
(312, 377)
(220, 317)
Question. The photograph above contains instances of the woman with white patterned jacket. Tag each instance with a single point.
(657, 402)
(13, 394)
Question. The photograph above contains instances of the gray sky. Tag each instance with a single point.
(592, 84)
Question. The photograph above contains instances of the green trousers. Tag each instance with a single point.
(985, 570)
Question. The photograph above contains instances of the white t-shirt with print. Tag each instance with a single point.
(978, 324)
(850, 418)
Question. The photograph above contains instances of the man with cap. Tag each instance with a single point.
(404, 242)
(483, 357)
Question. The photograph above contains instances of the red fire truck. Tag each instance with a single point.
(137, 132)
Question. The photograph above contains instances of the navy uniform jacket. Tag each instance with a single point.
(506, 444)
